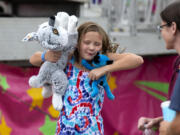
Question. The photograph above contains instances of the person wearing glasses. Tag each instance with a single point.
(170, 32)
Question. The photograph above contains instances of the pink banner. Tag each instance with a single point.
(138, 92)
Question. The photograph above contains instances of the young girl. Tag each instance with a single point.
(81, 113)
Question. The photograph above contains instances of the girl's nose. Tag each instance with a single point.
(91, 47)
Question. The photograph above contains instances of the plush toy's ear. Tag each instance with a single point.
(30, 37)
(96, 58)
(109, 62)
(62, 20)
(51, 21)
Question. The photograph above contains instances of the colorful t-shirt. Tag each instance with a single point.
(81, 113)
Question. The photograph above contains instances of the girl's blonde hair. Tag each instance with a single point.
(88, 27)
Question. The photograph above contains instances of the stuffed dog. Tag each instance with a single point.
(99, 61)
(58, 34)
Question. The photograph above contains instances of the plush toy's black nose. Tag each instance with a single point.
(109, 62)
(101, 83)
(52, 20)
(97, 58)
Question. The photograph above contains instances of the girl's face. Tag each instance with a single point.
(167, 35)
(91, 43)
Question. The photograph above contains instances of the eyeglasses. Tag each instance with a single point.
(160, 27)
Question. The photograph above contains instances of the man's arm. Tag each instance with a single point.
(174, 128)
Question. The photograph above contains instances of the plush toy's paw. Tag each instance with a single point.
(30, 37)
(86, 64)
(34, 82)
(72, 25)
(57, 101)
(47, 91)
(111, 97)
(108, 92)
(94, 93)
(62, 19)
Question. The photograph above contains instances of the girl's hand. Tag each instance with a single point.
(52, 56)
(95, 74)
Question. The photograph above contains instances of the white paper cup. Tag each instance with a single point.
(168, 114)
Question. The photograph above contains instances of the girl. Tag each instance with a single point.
(81, 113)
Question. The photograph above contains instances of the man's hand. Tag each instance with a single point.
(163, 130)
(149, 122)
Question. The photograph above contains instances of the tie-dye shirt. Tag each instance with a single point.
(81, 113)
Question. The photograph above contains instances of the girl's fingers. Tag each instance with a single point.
(92, 77)
(53, 56)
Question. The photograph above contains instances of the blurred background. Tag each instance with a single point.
(130, 23)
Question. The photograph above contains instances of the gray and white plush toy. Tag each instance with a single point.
(59, 34)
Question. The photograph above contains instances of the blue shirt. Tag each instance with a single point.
(175, 98)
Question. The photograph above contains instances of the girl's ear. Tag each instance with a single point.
(52, 20)
(174, 27)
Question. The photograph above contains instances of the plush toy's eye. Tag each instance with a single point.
(55, 31)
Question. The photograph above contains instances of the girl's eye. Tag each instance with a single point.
(87, 42)
(97, 44)
(55, 31)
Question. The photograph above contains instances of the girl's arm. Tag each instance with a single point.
(35, 59)
(51, 56)
(122, 61)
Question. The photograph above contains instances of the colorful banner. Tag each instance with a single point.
(138, 92)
